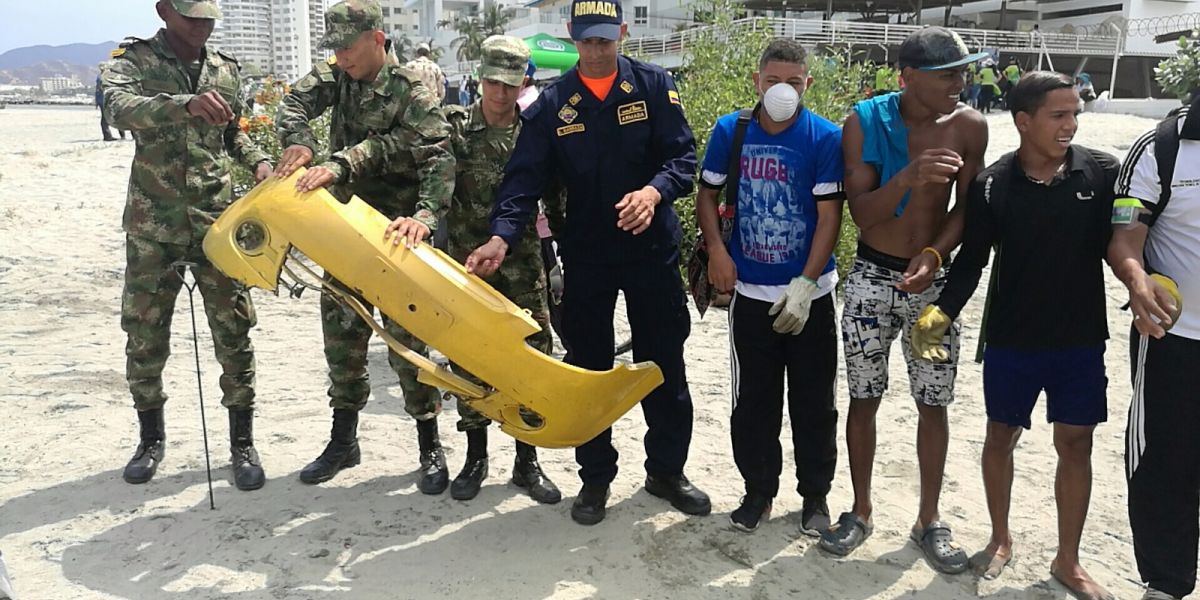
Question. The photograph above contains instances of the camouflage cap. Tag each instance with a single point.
(349, 19)
(197, 9)
(504, 59)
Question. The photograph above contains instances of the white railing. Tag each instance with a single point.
(814, 32)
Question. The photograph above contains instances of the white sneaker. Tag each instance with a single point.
(1153, 594)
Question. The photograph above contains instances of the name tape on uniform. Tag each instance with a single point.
(589, 7)
(632, 112)
(569, 129)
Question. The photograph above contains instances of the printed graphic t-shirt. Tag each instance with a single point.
(783, 176)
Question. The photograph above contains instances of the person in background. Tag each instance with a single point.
(428, 72)
(104, 130)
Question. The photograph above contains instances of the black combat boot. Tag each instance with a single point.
(151, 448)
(528, 474)
(247, 468)
(466, 485)
(435, 477)
(341, 452)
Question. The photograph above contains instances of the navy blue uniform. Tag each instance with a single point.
(600, 151)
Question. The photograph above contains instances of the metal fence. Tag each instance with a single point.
(814, 32)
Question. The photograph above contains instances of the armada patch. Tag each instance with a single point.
(568, 114)
(627, 87)
(575, 98)
(569, 129)
(632, 112)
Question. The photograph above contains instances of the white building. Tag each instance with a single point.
(1102, 17)
(279, 37)
(58, 84)
(399, 19)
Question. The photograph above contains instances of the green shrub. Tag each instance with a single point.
(1180, 74)
(260, 126)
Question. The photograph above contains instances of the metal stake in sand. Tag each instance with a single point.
(181, 267)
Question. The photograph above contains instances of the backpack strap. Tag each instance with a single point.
(1166, 151)
(734, 172)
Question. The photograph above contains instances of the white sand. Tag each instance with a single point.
(70, 528)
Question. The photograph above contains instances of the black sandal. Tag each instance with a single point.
(942, 552)
(849, 533)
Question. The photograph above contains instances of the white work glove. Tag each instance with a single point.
(793, 307)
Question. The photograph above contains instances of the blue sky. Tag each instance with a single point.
(57, 22)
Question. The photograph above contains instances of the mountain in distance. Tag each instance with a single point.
(28, 65)
(72, 54)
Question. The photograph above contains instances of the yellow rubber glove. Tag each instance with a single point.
(1171, 288)
(927, 335)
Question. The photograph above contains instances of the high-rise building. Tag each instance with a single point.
(278, 37)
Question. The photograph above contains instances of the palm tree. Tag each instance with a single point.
(473, 29)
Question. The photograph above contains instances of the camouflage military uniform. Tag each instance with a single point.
(431, 75)
(390, 149)
(482, 152)
(178, 185)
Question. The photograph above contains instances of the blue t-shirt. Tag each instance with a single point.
(783, 176)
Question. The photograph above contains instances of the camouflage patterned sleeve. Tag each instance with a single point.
(237, 142)
(422, 131)
(310, 96)
(127, 105)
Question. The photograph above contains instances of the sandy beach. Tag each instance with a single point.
(70, 528)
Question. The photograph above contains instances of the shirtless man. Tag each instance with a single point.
(900, 206)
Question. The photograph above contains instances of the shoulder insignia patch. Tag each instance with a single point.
(568, 114)
(575, 99)
(627, 87)
(569, 129)
(673, 97)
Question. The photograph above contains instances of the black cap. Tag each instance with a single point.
(936, 48)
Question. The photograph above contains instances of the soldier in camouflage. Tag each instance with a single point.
(429, 71)
(182, 100)
(391, 148)
(483, 138)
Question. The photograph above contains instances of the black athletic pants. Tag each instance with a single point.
(660, 322)
(760, 359)
(1162, 460)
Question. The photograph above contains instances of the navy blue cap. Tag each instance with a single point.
(596, 19)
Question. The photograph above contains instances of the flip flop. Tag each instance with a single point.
(942, 552)
(989, 566)
(849, 533)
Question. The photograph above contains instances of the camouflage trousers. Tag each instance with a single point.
(346, 336)
(542, 341)
(148, 303)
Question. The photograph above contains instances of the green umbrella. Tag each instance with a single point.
(549, 52)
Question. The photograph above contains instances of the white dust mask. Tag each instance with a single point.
(781, 102)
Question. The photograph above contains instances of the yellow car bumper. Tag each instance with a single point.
(435, 299)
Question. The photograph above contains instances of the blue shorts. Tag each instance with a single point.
(1074, 382)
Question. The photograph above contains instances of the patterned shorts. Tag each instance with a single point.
(875, 312)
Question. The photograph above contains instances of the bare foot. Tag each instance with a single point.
(989, 563)
(1078, 582)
